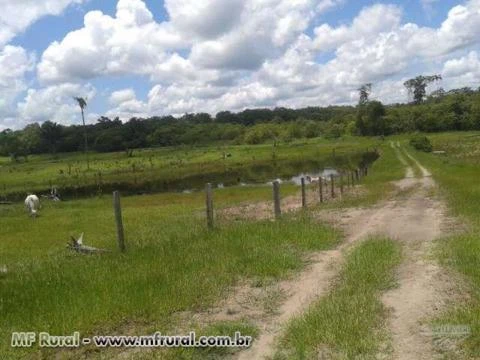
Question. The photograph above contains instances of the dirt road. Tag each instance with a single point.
(423, 287)
(413, 217)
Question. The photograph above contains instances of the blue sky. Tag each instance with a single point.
(142, 58)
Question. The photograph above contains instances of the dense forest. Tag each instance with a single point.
(440, 111)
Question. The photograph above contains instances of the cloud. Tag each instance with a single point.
(463, 71)
(215, 55)
(370, 22)
(267, 28)
(218, 34)
(126, 105)
(18, 15)
(205, 19)
(326, 5)
(15, 63)
(54, 103)
(109, 46)
(121, 96)
(376, 45)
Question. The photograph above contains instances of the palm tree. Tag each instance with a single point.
(83, 104)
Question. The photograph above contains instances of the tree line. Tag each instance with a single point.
(457, 109)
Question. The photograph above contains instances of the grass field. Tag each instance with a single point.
(173, 263)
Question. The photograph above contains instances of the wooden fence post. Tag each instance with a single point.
(304, 195)
(276, 199)
(366, 170)
(320, 188)
(341, 184)
(118, 220)
(209, 203)
(332, 182)
(357, 175)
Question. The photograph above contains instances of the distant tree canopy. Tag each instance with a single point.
(457, 109)
(418, 86)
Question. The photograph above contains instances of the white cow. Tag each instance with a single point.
(32, 204)
(313, 179)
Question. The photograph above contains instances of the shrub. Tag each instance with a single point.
(421, 143)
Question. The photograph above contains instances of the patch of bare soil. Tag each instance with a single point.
(264, 209)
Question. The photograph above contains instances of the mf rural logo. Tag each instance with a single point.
(44, 339)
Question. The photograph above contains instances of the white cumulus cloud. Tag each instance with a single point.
(15, 63)
(18, 15)
(130, 43)
(54, 103)
(214, 55)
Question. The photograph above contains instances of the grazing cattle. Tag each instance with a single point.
(313, 179)
(32, 204)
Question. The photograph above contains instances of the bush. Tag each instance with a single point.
(421, 143)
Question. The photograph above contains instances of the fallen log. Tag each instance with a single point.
(78, 246)
(3, 271)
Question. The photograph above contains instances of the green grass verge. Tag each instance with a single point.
(458, 174)
(347, 323)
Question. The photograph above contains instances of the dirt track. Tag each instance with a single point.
(414, 218)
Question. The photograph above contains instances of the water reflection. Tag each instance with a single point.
(314, 176)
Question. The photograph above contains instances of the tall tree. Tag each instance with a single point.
(364, 92)
(418, 86)
(83, 104)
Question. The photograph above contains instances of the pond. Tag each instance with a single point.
(241, 175)
(257, 174)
